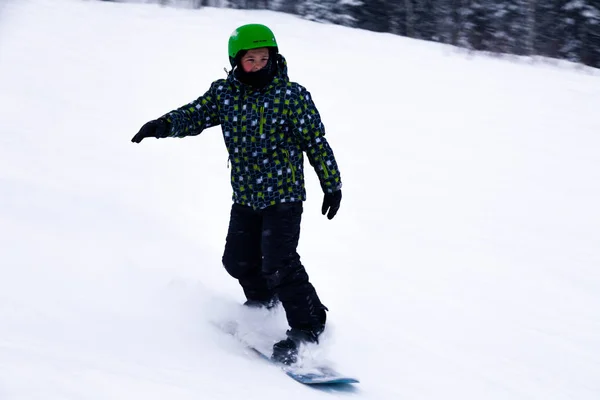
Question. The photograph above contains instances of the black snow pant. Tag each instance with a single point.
(261, 253)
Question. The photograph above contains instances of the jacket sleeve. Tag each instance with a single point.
(193, 118)
(307, 126)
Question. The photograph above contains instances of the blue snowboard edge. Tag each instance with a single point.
(315, 379)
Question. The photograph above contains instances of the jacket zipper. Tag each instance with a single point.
(260, 126)
(242, 136)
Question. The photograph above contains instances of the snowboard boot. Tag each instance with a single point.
(286, 351)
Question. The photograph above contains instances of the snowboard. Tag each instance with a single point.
(308, 375)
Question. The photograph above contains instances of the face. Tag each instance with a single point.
(255, 59)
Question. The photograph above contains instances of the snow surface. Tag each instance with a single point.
(463, 264)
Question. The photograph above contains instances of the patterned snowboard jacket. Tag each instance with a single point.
(266, 133)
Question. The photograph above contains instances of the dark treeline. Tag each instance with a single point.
(563, 29)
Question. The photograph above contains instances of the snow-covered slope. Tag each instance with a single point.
(462, 265)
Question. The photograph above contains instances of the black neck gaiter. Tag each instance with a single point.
(258, 79)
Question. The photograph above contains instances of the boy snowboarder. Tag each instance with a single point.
(268, 122)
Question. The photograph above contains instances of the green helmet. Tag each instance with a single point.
(251, 36)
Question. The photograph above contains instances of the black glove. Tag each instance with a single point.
(331, 202)
(158, 128)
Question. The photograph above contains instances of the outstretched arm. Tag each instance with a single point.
(188, 120)
(193, 118)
